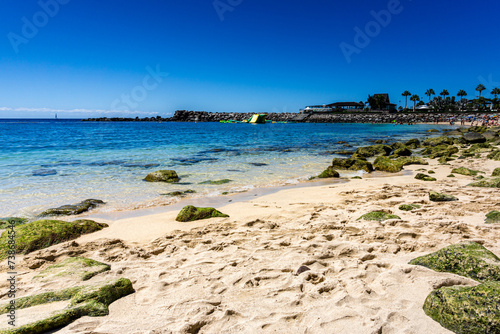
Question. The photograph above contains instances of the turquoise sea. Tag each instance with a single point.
(48, 163)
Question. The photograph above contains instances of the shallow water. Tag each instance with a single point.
(47, 163)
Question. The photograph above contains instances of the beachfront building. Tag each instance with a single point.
(381, 102)
(334, 107)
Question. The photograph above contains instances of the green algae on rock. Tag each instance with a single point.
(435, 141)
(496, 172)
(73, 209)
(413, 143)
(179, 193)
(216, 182)
(487, 183)
(467, 310)
(451, 175)
(438, 197)
(378, 216)
(373, 150)
(424, 177)
(386, 164)
(89, 300)
(465, 171)
(192, 213)
(409, 207)
(352, 164)
(329, 172)
(80, 267)
(169, 176)
(402, 152)
(440, 151)
(495, 155)
(468, 259)
(493, 217)
(45, 233)
(9, 221)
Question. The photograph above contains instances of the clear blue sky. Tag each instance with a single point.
(92, 58)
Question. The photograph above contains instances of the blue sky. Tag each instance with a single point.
(142, 58)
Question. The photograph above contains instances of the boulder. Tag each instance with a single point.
(438, 197)
(80, 268)
(423, 177)
(192, 213)
(436, 141)
(493, 217)
(373, 150)
(169, 176)
(45, 233)
(495, 155)
(9, 221)
(466, 309)
(352, 164)
(402, 152)
(73, 209)
(468, 259)
(490, 135)
(413, 143)
(216, 182)
(473, 137)
(486, 183)
(439, 151)
(496, 172)
(432, 130)
(329, 173)
(378, 216)
(409, 207)
(179, 193)
(465, 171)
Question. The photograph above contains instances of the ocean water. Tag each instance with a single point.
(48, 163)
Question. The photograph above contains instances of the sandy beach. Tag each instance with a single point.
(240, 274)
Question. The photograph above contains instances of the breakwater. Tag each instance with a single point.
(359, 117)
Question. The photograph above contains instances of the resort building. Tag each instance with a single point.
(334, 107)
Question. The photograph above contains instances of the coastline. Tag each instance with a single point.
(240, 273)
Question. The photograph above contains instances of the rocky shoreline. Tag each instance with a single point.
(358, 117)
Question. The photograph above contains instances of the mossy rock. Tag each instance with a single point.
(378, 216)
(352, 164)
(356, 178)
(467, 310)
(479, 177)
(451, 175)
(473, 137)
(192, 213)
(444, 160)
(432, 130)
(386, 164)
(89, 300)
(80, 267)
(493, 217)
(423, 177)
(409, 207)
(465, 171)
(431, 172)
(438, 197)
(406, 161)
(397, 145)
(468, 259)
(479, 147)
(413, 143)
(402, 152)
(179, 193)
(439, 151)
(73, 209)
(169, 176)
(45, 233)
(496, 172)
(9, 221)
(373, 150)
(436, 141)
(329, 173)
(216, 182)
(487, 183)
(495, 155)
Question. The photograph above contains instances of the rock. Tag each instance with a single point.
(402, 152)
(495, 155)
(413, 143)
(490, 135)
(192, 213)
(329, 173)
(451, 175)
(378, 216)
(179, 193)
(352, 164)
(468, 259)
(473, 137)
(465, 171)
(75, 209)
(44, 172)
(406, 161)
(386, 164)
(78, 267)
(439, 151)
(431, 172)
(44, 233)
(169, 176)
(216, 182)
(380, 141)
(9, 221)
(302, 269)
(432, 130)
(344, 152)
(437, 197)
(496, 172)
(493, 217)
(444, 160)
(87, 300)
(373, 150)
(356, 178)
(397, 145)
(488, 183)
(423, 177)
(466, 309)
(409, 207)
(478, 148)
(436, 141)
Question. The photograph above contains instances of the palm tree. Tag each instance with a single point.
(444, 93)
(414, 98)
(429, 93)
(495, 92)
(406, 94)
(480, 88)
(461, 93)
